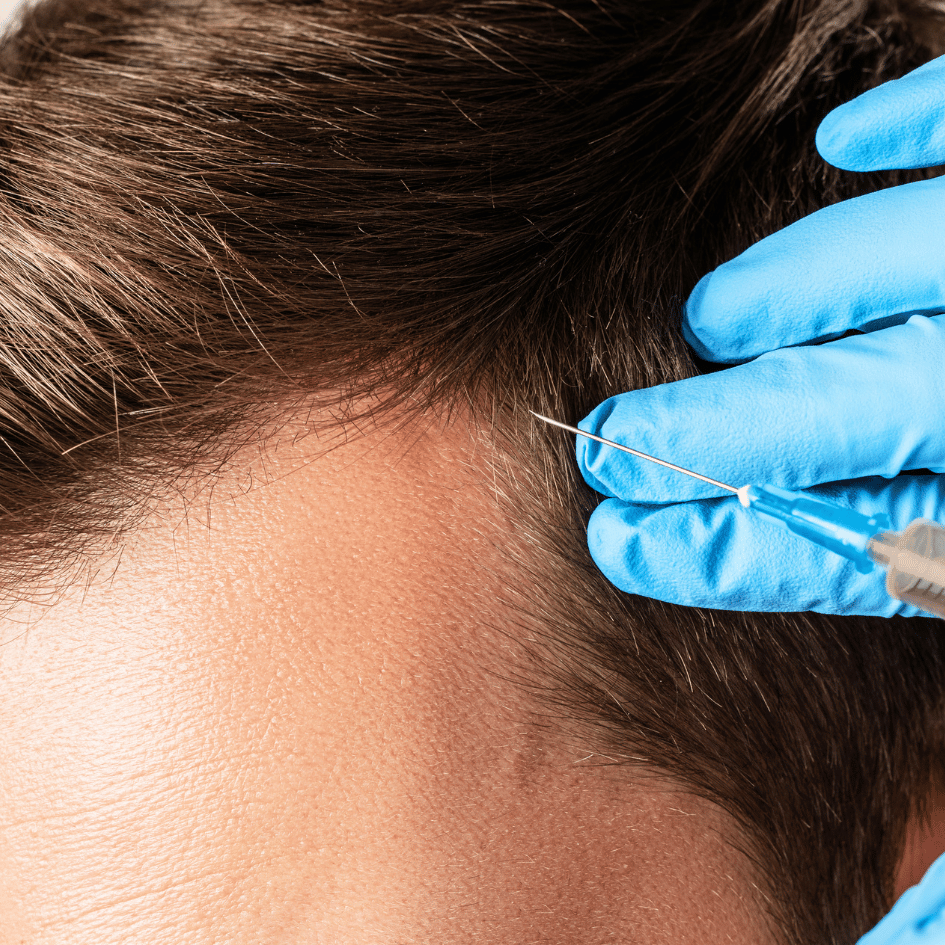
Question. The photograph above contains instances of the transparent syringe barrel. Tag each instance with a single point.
(915, 564)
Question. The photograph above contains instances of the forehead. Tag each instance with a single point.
(292, 719)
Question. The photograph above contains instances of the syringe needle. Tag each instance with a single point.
(626, 449)
(915, 559)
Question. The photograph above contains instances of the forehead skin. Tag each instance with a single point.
(284, 729)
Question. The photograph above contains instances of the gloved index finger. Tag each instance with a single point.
(866, 405)
(876, 257)
(900, 124)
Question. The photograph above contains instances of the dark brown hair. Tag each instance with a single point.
(211, 210)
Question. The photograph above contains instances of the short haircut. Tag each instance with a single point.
(213, 209)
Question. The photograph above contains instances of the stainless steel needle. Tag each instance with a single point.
(626, 449)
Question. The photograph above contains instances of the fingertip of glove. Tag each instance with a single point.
(593, 423)
(835, 143)
(883, 129)
(707, 312)
(611, 540)
(692, 318)
(590, 455)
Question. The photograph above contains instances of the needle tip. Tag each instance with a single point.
(546, 419)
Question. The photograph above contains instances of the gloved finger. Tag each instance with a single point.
(918, 917)
(869, 261)
(866, 405)
(899, 124)
(714, 553)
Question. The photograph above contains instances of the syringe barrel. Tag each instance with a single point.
(843, 531)
(915, 564)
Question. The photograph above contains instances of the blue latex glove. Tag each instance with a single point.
(839, 420)
(918, 917)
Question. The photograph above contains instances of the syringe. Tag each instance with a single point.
(914, 559)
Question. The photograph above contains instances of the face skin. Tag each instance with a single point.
(925, 842)
(289, 728)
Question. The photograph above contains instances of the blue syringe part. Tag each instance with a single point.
(840, 530)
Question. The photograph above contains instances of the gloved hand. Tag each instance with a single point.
(839, 420)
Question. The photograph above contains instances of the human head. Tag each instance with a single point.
(227, 221)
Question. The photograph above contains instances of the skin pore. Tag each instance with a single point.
(292, 727)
